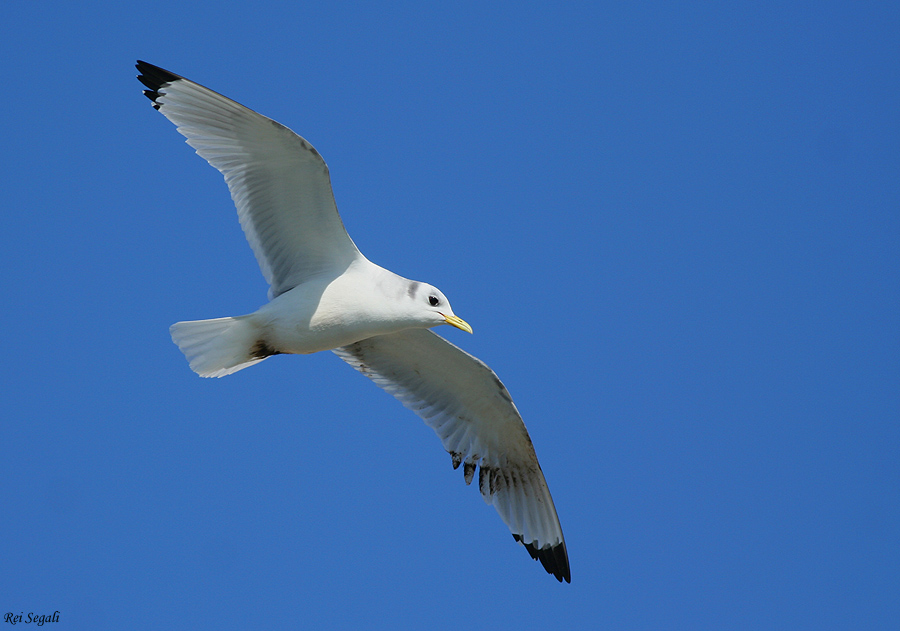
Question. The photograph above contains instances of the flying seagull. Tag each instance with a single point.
(325, 295)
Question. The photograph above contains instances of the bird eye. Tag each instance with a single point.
(433, 301)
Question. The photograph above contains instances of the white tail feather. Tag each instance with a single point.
(217, 347)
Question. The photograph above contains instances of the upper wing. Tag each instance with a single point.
(278, 182)
(471, 411)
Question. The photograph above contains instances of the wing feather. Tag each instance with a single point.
(472, 413)
(278, 181)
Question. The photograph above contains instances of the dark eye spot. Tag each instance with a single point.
(433, 301)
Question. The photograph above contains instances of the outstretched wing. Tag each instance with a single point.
(471, 411)
(279, 183)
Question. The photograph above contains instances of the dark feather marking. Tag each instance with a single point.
(498, 482)
(503, 391)
(413, 287)
(457, 459)
(154, 78)
(303, 142)
(553, 558)
(484, 480)
(469, 471)
(490, 480)
(261, 350)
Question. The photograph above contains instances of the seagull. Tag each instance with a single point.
(325, 295)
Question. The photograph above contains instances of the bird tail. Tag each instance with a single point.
(219, 347)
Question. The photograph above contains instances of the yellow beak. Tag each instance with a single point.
(459, 323)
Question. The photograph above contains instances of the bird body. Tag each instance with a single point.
(321, 314)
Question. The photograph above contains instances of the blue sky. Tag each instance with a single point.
(674, 227)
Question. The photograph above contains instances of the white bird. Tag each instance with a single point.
(325, 295)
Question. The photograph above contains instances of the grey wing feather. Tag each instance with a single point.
(471, 411)
(278, 181)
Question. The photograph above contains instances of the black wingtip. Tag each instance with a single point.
(553, 558)
(154, 78)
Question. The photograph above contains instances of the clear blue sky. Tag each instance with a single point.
(674, 227)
